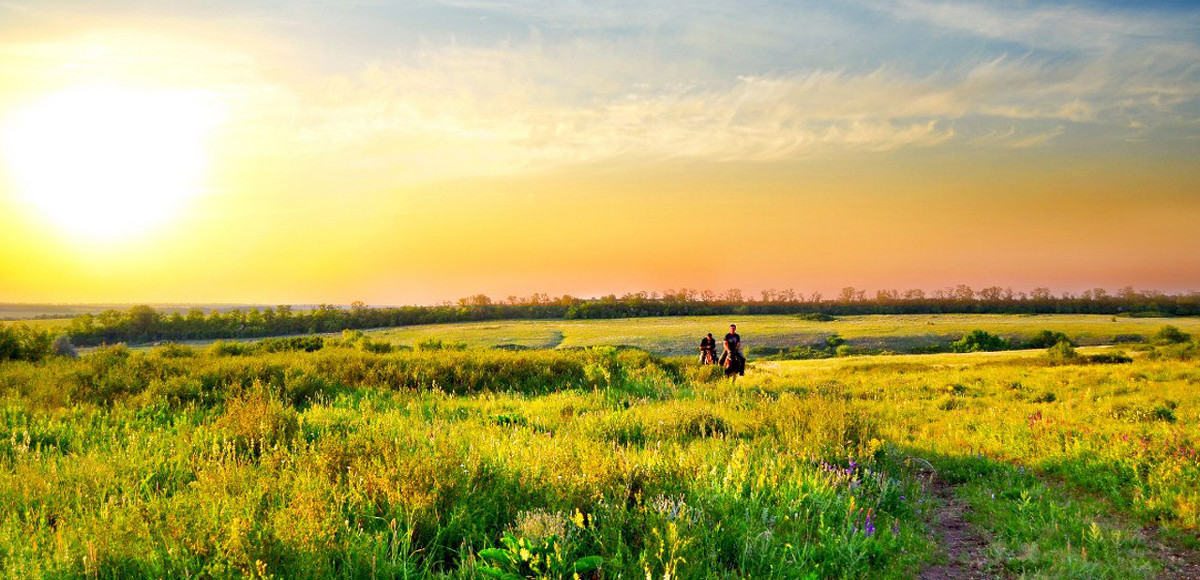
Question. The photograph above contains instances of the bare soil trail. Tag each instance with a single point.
(962, 545)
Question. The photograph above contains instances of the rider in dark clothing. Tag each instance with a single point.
(708, 350)
(733, 348)
(733, 340)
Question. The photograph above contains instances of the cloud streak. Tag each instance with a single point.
(527, 106)
(589, 83)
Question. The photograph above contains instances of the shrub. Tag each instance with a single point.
(25, 343)
(1182, 351)
(174, 350)
(1062, 351)
(1128, 338)
(1171, 335)
(816, 317)
(1047, 339)
(1164, 413)
(258, 419)
(62, 347)
(979, 340)
(229, 348)
(375, 347)
(1109, 358)
(292, 343)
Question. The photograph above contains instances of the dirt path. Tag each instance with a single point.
(961, 544)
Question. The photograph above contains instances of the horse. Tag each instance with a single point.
(734, 363)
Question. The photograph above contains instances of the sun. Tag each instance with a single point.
(108, 162)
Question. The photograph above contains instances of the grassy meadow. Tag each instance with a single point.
(352, 462)
(678, 335)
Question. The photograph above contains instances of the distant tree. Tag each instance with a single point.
(991, 294)
(142, 321)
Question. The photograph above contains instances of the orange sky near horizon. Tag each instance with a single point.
(562, 163)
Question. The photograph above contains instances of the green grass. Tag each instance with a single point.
(681, 335)
(175, 462)
(40, 323)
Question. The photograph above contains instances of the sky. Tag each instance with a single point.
(310, 151)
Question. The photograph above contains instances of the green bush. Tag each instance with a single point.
(25, 343)
(816, 317)
(1109, 358)
(1047, 339)
(1171, 335)
(231, 348)
(291, 343)
(1062, 351)
(979, 341)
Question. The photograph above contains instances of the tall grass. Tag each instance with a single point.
(346, 463)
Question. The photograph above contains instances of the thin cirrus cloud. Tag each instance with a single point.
(505, 109)
(511, 86)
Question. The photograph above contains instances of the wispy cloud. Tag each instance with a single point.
(586, 83)
(522, 106)
(1050, 25)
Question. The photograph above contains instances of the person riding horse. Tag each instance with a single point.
(732, 359)
(708, 350)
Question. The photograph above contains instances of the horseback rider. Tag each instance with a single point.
(733, 353)
(708, 350)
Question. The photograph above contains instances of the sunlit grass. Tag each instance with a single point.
(181, 462)
(681, 334)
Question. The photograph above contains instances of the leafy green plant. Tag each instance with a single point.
(532, 559)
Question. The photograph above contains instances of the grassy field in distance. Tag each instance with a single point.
(40, 323)
(680, 335)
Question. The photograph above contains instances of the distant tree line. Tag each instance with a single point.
(144, 324)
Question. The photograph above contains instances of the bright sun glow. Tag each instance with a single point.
(109, 162)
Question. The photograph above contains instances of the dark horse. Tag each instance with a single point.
(734, 363)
